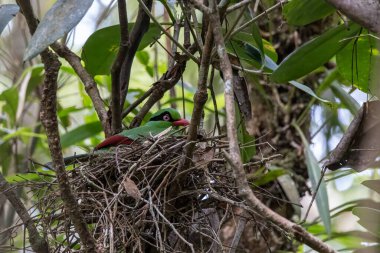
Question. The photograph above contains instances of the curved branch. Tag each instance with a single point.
(363, 12)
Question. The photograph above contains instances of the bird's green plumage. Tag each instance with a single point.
(151, 128)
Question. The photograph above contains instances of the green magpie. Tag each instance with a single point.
(158, 122)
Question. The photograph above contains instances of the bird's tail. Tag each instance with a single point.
(70, 160)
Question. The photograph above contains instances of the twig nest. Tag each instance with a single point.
(136, 198)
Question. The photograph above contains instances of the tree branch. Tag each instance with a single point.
(139, 29)
(38, 243)
(116, 68)
(234, 157)
(363, 12)
(49, 120)
(200, 99)
(88, 82)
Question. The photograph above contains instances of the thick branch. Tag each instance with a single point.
(38, 243)
(49, 120)
(116, 68)
(234, 158)
(364, 12)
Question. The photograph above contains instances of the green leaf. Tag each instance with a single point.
(246, 141)
(372, 184)
(269, 177)
(21, 132)
(100, 49)
(301, 12)
(10, 97)
(63, 16)
(314, 172)
(7, 12)
(314, 53)
(349, 102)
(357, 61)
(143, 57)
(80, 133)
(41, 175)
(259, 42)
(369, 218)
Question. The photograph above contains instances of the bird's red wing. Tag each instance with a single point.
(114, 140)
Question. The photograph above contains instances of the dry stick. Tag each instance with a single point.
(38, 243)
(234, 158)
(88, 82)
(116, 106)
(238, 5)
(49, 120)
(139, 29)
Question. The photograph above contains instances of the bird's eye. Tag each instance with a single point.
(166, 117)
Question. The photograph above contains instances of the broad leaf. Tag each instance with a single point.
(357, 61)
(7, 12)
(369, 218)
(80, 133)
(100, 49)
(314, 53)
(301, 12)
(373, 184)
(10, 97)
(58, 21)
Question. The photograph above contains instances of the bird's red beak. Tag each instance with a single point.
(181, 122)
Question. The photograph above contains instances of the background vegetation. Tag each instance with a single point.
(283, 79)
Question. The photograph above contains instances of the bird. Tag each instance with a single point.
(158, 122)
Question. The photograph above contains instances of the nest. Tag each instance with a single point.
(138, 198)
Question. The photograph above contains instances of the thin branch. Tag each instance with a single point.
(166, 82)
(88, 82)
(38, 243)
(281, 3)
(200, 6)
(238, 5)
(116, 68)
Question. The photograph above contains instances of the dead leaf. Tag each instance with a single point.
(359, 148)
(131, 188)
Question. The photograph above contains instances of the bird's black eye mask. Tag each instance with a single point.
(165, 116)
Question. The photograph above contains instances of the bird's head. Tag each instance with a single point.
(169, 115)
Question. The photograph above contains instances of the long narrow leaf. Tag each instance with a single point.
(314, 53)
(314, 172)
